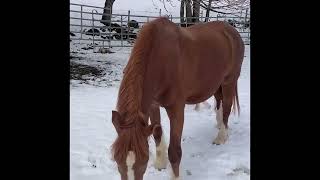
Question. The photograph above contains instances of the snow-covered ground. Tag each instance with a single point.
(92, 132)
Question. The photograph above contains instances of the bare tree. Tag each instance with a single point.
(107, 11)
(218, 6)
(208, 11)
(191, 8)
(196, 11)
(192, 12)
(188, 11)
(224, 6)
(182, 19)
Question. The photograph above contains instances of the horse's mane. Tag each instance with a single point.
(130, 97)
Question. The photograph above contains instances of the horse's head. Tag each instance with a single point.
(131, 149)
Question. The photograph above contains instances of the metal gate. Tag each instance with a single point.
(86, 26)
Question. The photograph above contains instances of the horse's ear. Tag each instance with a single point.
(116, 121)
(152, 129)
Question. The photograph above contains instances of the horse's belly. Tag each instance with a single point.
(203, 82)
(201, 94)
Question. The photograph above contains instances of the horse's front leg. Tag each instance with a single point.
(161, 147)
(176, 116)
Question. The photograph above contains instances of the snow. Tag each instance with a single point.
(92, 132)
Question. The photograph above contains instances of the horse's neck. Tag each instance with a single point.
(145, 104)
(143, 108)
(150, 88)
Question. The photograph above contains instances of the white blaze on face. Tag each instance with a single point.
(131, 158)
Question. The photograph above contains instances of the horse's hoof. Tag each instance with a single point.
(220, 139)
(159, 169)
(160, 164)
(218, 142)
(215, 143)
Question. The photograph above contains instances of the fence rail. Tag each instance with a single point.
(87, 26)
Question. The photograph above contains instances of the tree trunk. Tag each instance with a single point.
(106, 17)
(188, 12)
(208, 11)
(196, 11)
(182, 19)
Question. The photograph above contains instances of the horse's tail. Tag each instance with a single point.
(235, 102)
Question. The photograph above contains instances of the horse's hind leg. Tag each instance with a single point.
(161, 147)
(219, 108)
(228, 92)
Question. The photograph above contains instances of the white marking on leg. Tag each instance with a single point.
(131, 158)
(161, 154)
(173, 176)
(222, 135)
(219, 116)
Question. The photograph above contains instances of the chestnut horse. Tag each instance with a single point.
(170, 66)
